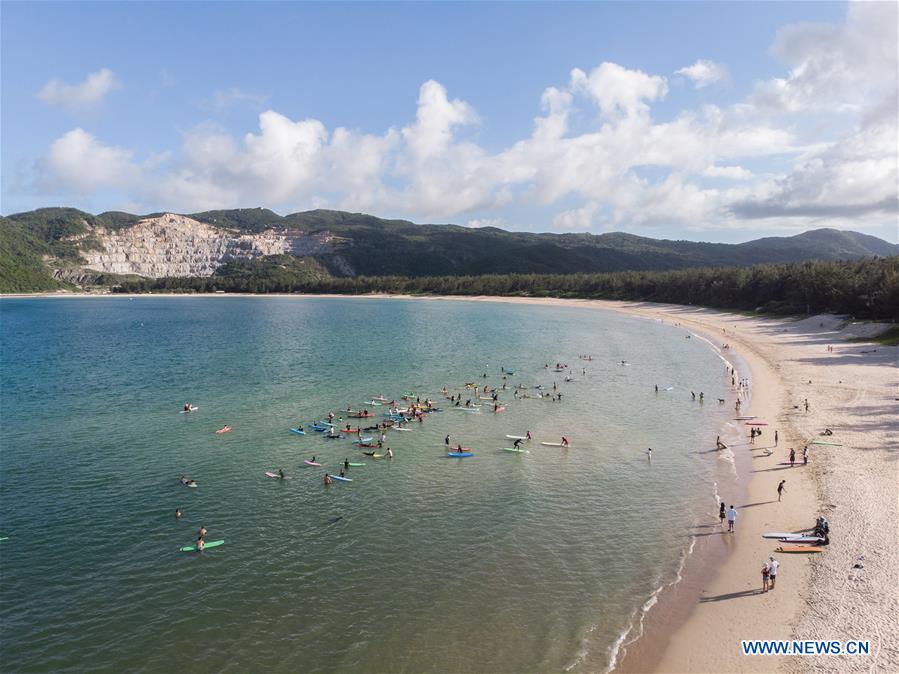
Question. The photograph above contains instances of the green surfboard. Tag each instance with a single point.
(210, 544)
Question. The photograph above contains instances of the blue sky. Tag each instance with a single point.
(536, 116)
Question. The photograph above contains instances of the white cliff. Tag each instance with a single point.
(175, 245)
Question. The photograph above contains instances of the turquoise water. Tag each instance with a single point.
(499, 562)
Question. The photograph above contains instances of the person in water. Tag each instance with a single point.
(446, 441)
(564, 441)
(389, 453)
(459, 448)
(328, 479)
(528, 435)
(313, 458)
(187, 407)
(280, 474)
(342, 474)
(201, 533)
(184, 480)
(191, 483)
(200, 544)
(346, 464)
(177, 513)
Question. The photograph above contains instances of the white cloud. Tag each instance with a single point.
(730, 172)
(619, 90)
(78, 161)
(222, 99)
(621, 168)
(703, 73)
(79, 96)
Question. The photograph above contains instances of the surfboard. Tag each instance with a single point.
(756, 423)
(192, 409)
(459, 455)
(210, 544)
(516, 449)
(298, 431)
(781, 535)
(829, 444)
(798, 549)
(516, 437)
(552, 444)
(341, 479)
(312, 463)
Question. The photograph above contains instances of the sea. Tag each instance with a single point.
(535, 562)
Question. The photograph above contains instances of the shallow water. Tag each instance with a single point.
(499, 562)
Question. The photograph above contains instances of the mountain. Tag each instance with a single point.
(42, 249)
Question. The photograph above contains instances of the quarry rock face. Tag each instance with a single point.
(176, 245)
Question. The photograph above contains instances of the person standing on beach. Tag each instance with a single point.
(772, 565)
(806, 404)
(792, 457)
(766, 574)
(731, 518)
(805, 456)
(721, 514)
(780, 489)
(775, 437)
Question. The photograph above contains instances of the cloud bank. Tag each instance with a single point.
(621, 169)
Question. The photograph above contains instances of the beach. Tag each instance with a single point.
(846, 592)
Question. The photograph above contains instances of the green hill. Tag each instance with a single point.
(366, 245)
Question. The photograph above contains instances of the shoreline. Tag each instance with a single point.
(696, 623)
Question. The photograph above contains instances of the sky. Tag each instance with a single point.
(713, 121)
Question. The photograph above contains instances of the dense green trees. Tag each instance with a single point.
(861, 288)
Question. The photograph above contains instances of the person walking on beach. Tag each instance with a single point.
(775, 437)
(806, 404)
(772, 572)
(766, 574)
(805, 456)
(780, 489)
(792, 457)
(721, 513)
(731, 518)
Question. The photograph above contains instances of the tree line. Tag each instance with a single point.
(867, 288)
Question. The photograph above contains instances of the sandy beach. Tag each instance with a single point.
(849, 591)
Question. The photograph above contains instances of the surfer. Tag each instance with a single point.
(200, 544)
(657, 388)
(564, 441)
(191, 483)
(280, 474)
(184, 480)
(187, 407)
(528, 435)
(177, 513)
(389, 453)
(446, 441)
(313, 458)
(517, 443)
(201, 532)
(369, 453)
(649, 453)
(328, 479)
(346, 464)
